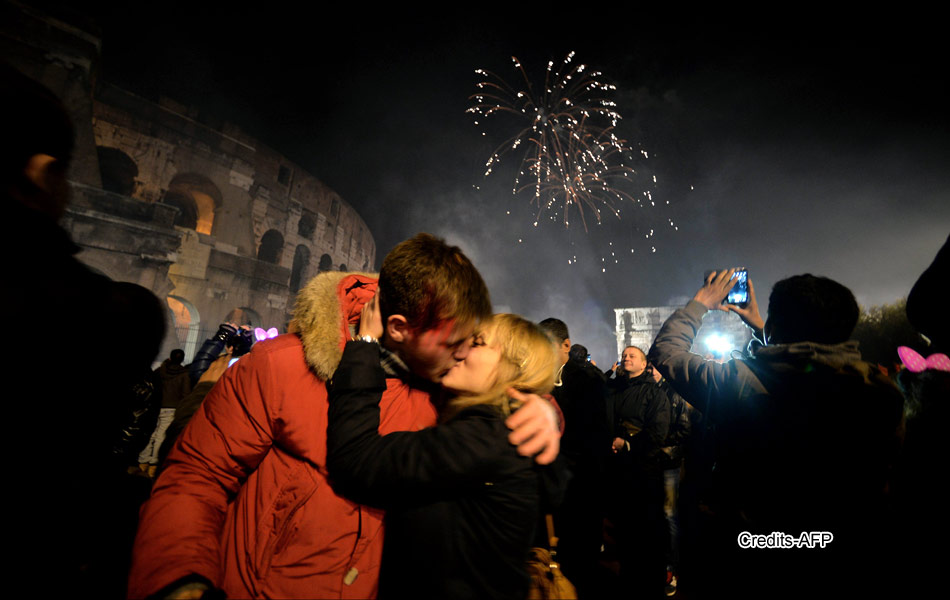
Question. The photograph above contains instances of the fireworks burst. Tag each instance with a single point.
(572, 155)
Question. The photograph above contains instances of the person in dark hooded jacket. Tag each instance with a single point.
(171, 378)
(805, 434)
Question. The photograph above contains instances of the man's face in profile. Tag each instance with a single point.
(430, 353)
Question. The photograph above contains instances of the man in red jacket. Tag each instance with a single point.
(244, 504)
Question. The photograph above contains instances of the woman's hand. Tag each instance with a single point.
(371, 320)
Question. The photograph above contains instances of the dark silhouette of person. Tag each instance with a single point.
(581, 393)
(82, 342)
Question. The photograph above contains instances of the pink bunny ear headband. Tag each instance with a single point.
(262, 335)
(917, 363)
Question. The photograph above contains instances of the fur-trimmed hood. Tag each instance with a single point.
(323, 312)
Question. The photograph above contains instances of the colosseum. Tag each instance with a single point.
(216, 222)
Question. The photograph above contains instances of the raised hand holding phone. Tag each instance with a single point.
(718, 285)
(715, 289)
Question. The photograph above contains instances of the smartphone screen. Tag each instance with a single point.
(739, 294)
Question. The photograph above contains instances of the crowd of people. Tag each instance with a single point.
(400, 439)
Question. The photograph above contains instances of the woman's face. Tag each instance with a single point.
(477, 373)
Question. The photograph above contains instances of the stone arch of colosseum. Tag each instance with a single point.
(187, 324)
(117, 169)
(197, 199)
(272, 245)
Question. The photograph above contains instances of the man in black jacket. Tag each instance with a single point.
(582, 395)
(638, 411)
(639, 414)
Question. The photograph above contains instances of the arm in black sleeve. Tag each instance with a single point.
(599, 437)
(139, 420)
(380, 470)
(610, 413)
(658, 418)
(209, 352)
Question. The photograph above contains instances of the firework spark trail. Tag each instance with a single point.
(569, 159)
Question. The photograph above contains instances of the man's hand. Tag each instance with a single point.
(716, 289)
(750, 314)
(534, 428)
(618, 445)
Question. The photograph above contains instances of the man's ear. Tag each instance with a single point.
(37, 170)
(566, 344)
(397, 329)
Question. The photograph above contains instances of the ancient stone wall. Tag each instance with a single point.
(217, 223)
(254, 226)
(639, 326)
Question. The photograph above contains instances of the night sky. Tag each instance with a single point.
(783, 143)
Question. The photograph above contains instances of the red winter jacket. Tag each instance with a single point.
(244, 500)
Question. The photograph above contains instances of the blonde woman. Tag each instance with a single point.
(462, 504)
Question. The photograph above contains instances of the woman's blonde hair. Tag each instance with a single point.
(528, 362)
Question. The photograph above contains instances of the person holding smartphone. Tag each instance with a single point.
(803, 432)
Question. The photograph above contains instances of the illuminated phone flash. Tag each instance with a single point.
(718, 343)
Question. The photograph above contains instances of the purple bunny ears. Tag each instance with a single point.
(917, 363)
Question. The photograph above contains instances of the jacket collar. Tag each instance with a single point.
(624, 382)
(810, 357)
(833, 355)
(393, 365)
